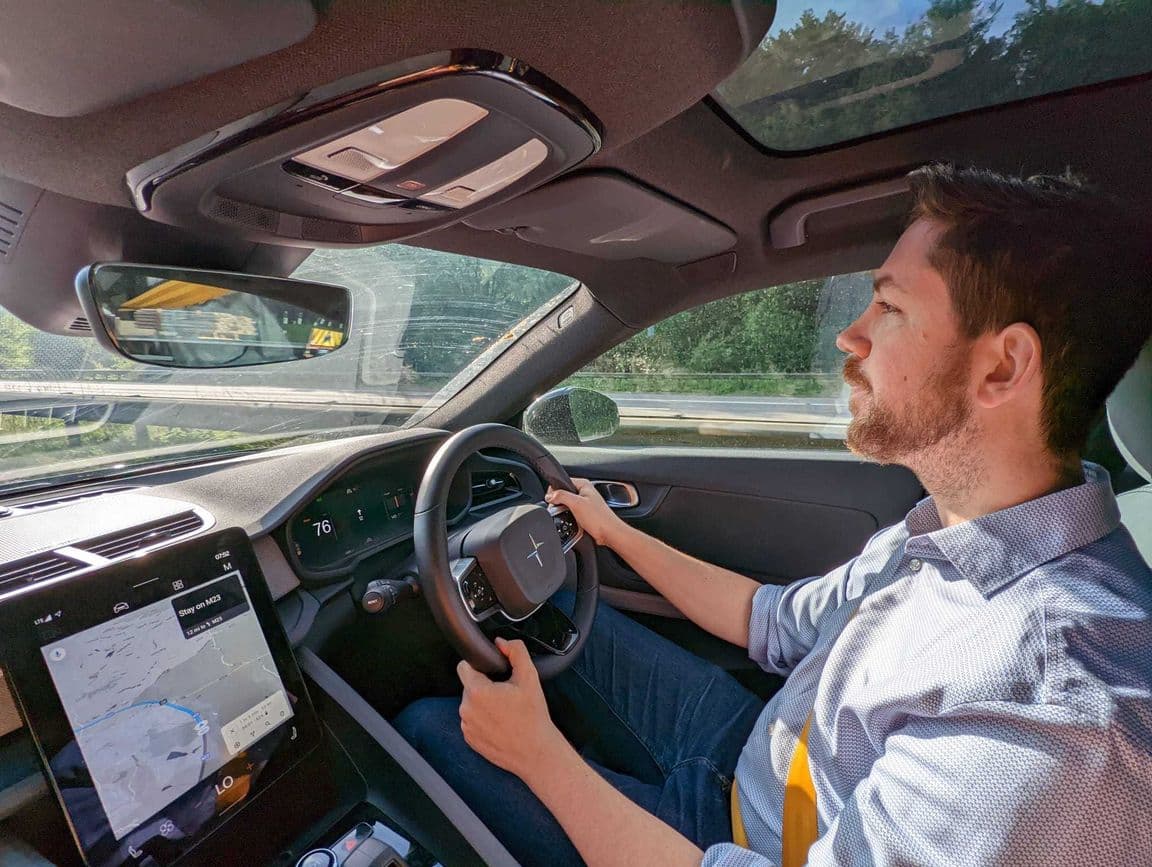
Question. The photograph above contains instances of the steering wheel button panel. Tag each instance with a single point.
(566, 527)
(475, 592)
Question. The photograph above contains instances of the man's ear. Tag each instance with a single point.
(1013, 355)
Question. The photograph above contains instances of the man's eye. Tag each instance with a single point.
(886, 307)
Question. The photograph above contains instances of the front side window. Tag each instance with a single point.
(758, 370)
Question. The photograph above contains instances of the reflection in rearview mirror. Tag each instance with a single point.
(177, 317)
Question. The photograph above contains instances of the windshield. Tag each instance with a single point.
(424, 324)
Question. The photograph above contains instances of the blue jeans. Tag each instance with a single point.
(663, 726)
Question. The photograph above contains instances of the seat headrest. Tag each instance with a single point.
(1130, 414)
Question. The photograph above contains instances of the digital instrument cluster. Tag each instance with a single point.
(368, 509)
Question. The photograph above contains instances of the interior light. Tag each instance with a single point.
(387, 144)
(489, 179)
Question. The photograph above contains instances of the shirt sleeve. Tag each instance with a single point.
(786, 620)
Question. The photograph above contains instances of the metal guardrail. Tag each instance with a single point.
(131, 395)
(85, 391)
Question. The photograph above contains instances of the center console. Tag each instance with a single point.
(369, 842)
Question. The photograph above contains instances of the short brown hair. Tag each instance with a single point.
(1056, 254)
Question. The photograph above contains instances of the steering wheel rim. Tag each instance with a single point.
(512, 585)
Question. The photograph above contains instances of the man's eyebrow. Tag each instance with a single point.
(885, 281)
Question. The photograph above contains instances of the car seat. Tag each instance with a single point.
(1130, 418)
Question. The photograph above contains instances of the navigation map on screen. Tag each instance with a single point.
(161, 697)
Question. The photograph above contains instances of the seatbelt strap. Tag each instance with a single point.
(739, 835)
(800, 828)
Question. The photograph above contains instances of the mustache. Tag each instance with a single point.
(853, 374)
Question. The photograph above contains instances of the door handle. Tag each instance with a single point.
(618, 495)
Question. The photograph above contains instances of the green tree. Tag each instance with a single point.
(766, 332)
(16, 343)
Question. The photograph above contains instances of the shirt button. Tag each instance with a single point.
(914, 564)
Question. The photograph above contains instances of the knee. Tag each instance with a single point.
(429, 721)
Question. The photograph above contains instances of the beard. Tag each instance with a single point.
(920, 433)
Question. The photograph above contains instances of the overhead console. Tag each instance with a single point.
(374, 158)
(608, 215)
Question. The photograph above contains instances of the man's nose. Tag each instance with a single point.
(853, 340)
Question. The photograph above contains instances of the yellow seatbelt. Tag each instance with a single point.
(739, 837)
(800, 828)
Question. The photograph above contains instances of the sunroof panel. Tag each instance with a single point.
(835, 70)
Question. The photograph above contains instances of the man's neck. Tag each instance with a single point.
(965, 488)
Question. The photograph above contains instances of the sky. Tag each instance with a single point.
(880, 15)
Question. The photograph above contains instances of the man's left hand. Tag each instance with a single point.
(508, 723)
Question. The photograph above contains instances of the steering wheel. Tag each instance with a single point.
(502, 571)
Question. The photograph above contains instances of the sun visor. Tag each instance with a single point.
(609, 216)
(63, 59)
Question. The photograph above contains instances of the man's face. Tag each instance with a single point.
(907, 363)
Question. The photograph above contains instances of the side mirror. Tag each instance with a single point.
(570, 416)
(179, 317)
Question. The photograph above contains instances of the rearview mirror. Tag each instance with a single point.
(180, 317)
(570, 416)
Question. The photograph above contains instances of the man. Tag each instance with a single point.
(974, 688)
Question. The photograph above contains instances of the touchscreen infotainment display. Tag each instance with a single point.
(173, 695)
(163, 697)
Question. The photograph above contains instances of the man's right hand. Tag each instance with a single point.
(714, 598)
(590, 510)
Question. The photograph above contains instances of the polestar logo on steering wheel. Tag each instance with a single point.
(536, 546)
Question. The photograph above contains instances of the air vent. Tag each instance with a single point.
(38, 568)
(81, 325)
(117, 545)
(491, 488)
(10, 217)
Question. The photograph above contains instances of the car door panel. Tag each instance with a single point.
(774, 517)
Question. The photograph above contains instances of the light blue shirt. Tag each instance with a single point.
(991, 702)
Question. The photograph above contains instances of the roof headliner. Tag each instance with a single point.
(643, 68)
(675, 53)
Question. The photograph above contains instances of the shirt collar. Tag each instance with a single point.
(996, 548)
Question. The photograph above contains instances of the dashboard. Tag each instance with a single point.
(315, 515)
